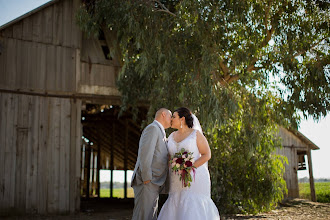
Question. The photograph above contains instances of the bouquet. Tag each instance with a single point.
(182, 163)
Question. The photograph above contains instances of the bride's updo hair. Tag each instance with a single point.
(184, 112)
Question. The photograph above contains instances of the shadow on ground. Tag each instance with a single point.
(120, 209)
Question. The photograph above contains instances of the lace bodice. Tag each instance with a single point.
(189, 143)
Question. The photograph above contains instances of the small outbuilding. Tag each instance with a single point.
(296, 147)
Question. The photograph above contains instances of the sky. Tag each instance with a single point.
(317, 132)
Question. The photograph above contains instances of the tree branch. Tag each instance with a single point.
(251, 67)
(267, 16)
(224, 68)
(164, 9)
(233, 78)
(229, 79)
(269, 33)
(311, 47)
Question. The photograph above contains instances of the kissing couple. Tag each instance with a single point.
(152, 170)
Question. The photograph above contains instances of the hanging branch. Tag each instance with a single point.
(163, 8)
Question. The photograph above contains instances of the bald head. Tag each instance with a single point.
(160, 112)
(164, 116)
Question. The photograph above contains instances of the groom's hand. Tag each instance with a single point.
(146, 182)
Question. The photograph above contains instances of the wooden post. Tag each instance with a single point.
(311, 178)
(98, 165)
(88, 167)
(125, 158)
(92, 179)
(111, 159)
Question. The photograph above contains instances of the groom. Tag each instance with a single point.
(151, 167)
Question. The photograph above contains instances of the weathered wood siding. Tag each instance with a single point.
(40, 154)
(289, 139)
(98, 79)
(53, 25)
(32, 66)
(39, 52)
(290, 175)
(97, 74)
(291, 144)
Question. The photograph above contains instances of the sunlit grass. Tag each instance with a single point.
(322, 190)
(118, 193)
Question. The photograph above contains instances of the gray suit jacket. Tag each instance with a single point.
(152, 160)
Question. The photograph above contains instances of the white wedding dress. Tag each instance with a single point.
(192, 202)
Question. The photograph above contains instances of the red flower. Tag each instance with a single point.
(188, 163)
(179, 160)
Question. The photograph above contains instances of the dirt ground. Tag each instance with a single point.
(291, 210)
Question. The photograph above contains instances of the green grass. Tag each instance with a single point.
(322, 190)
(118, 193)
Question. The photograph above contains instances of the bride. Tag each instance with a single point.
(192, 202)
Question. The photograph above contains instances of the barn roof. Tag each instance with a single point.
(304, 139)
(28, 14)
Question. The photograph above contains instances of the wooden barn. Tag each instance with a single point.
(296, 147)
(59, 115)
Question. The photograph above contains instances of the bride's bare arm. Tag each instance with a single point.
(204, 149)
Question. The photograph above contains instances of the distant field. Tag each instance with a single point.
(322, 190)
(119, 193)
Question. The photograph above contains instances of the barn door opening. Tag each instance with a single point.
(109, 150)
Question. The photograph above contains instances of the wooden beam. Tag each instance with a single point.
(311, 178)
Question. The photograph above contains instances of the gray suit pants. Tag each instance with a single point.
(145, 201)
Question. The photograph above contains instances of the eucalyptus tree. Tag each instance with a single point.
(243, 67)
